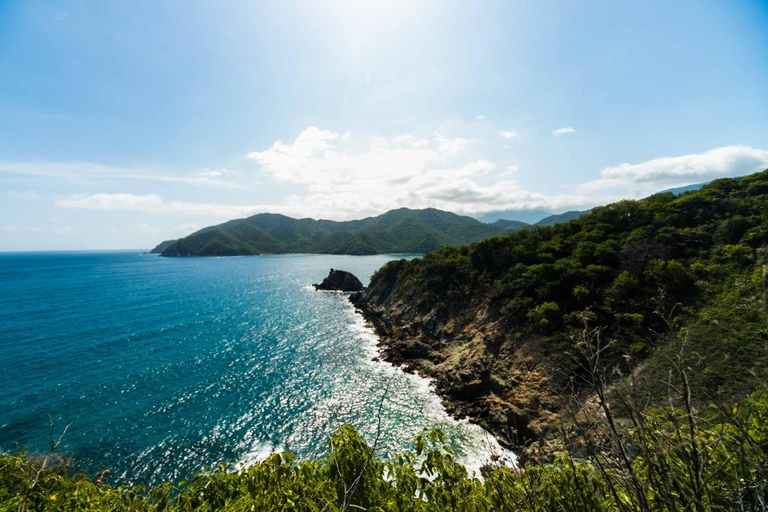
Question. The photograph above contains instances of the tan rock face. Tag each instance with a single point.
(481, 371)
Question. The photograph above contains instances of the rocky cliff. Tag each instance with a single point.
(501, 325)
(480, 370)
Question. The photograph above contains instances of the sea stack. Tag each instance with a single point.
(341, 281)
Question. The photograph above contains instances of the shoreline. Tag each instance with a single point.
(475, 445)
(387, 352)
(496, 448)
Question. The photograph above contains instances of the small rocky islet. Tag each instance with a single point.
(340, 281)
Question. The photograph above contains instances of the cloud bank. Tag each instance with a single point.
(345, 177)
(667, 172)
(95, 174)
(392, 172)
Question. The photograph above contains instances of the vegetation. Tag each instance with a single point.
(650, 315)
(161, 247)
(559, 218)
(403, 230)
(668, 459)
(619, 266)
(511, 225)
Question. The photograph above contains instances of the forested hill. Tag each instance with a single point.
(397, 231)
(500, 324)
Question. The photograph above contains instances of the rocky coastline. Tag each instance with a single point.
(476, 371)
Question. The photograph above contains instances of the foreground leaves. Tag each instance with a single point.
(353, 477)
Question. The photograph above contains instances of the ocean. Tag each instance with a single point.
(162, 367)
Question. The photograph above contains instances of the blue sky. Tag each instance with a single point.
(126, 123)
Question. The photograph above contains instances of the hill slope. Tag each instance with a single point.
(559, 218)
(511, 225)
(401, 230)
(497, 324)
(159, 248)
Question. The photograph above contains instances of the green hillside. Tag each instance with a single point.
(511, 225)
(559, 218)
(500, 325)
(623, 354)
(402, 230)
(714, 465)
(159, 248)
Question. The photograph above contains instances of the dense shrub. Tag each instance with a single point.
(676, 461)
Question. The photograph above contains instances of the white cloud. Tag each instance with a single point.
(153, 203)
(147, 202)
(450, 147)
(342, 183)
(509, 135)
(89, 173)
(315, 160)
(342, 178)
(563, 131)
(178, 230)
(510, 170)
(667, 172)
(412, 141)
(480, 117)
(337, 180)
(208, 173)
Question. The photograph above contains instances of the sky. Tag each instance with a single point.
(126, 123)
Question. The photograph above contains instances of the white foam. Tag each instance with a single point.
(478, 446)
(481, 447)
(259, 452)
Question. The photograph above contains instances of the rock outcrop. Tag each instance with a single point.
(341, 281)
(478, 368)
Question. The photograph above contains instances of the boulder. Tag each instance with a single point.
(341, 281)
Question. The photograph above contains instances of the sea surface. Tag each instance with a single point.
(164, 366)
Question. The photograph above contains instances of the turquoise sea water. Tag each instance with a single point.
(167, 366)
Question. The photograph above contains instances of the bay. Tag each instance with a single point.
(164, 367)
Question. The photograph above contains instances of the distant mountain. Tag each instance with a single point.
(527, 216)
(511, 225)
(402, 230)
(562, 217)
(549, 220)
(687, 188)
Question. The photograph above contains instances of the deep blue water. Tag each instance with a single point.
(166, 366)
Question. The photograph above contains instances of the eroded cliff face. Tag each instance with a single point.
(480, 367)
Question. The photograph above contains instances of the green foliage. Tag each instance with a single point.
(561, 217)
(728, 454)
(397, 231)
(547, 315)
(616, 261)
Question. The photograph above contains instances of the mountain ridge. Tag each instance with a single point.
(370, 235)
(397, 231)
